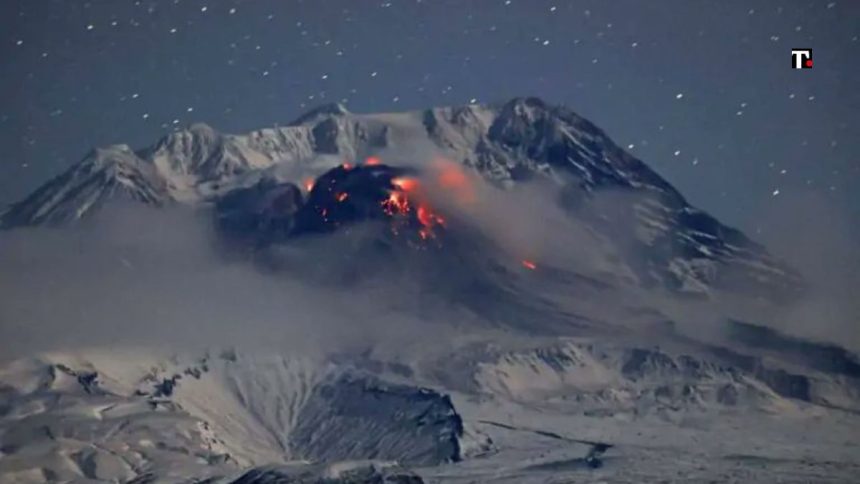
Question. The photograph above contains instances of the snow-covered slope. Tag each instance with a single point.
(524, 139)
(481, 411)
(103, 175)
(96, 416)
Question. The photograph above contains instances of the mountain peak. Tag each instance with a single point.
(531, 102)
(198, 132)
(105, 174)
(522, 139)
(107, 156)
(201, 129)
(323, 111)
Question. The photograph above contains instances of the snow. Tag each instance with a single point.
(569, 372)
(197, 165)
(534, 413)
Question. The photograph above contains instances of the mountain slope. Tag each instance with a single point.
(666, 241)
(481, 411)
(476, 292)
(103, 175)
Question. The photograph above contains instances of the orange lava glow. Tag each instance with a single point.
(395, 204)
(372, 161)
(451, 177)
(405, 184)
(342, 196)
(529, 265)
(309, 184)
(407, 191)
(424, 216)
(428, 218)
(347, 166)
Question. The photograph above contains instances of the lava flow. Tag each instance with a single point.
(405, 192)
(396, 204)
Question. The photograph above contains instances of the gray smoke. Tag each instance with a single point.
(141, 277)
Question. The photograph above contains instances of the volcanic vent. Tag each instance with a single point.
(269, 211)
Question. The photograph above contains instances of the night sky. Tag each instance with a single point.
(700, 90)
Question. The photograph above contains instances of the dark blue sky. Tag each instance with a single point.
(701, 90)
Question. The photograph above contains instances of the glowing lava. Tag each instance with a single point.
(309, 184)
(372, 161)
(428, 218)
(396, 204)
(405, 184)
(342, 196)
(529, 265)
(400, 202)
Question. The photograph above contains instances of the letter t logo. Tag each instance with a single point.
(801, 58)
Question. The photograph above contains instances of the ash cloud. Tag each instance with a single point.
(141, 277)
(820, 239)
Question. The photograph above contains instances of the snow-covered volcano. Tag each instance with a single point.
(468, 294)
(665, 240)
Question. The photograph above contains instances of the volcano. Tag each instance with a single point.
(477, 293)
(667, 242)
(269, 212)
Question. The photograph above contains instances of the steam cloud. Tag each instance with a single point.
(140, 277)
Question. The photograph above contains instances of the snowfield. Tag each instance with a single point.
(568, 412)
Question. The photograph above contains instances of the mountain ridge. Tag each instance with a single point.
(505, 144)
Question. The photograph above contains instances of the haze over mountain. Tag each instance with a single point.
(462, 293)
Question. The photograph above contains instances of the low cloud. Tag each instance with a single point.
(141, 277)
(822, 241)
(134, 276)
